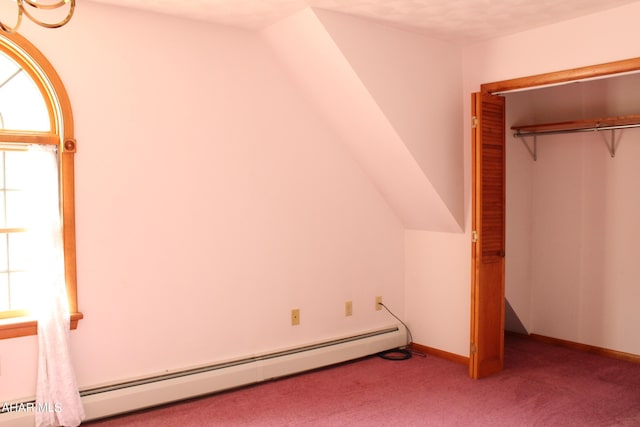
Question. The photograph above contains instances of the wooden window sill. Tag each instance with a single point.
(25, 326)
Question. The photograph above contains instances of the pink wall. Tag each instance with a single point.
(382, 87)
(416, 82)
(209, 184)
(581, 217)
(519, 222)
(437, 289)
(551, 309)
(211, 200)
(594, 39)
(317, 59)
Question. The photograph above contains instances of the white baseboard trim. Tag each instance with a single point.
(157, 390)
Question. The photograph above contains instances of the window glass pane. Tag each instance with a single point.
(2, 169)
(16, 206)
(8, 67)
(4, 292)
(22, 106)
(16, 169)
(3, 217)
(18, 251)
(4, 265)
(22, 291)
(18, 172)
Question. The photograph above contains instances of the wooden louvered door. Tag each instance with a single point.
(488, 225)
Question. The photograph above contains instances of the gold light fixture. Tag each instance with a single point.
(27, 7)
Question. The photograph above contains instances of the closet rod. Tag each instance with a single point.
(520, 134)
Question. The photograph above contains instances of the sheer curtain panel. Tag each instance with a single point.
(58, 401)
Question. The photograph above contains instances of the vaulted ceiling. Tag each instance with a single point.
(361, 78)
(451, 20)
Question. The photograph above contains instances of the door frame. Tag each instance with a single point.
(603, 70)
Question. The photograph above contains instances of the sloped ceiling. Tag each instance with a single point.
(346, 88)
(451, 20)
(325, 46)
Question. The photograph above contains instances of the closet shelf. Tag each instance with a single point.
(578, 125)
(593, 125)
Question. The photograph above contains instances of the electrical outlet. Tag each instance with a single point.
(295, 317)
(378, 302)
(348, 308)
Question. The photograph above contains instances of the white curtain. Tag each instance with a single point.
(57, 398)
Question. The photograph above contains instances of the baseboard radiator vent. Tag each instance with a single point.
(157, 390)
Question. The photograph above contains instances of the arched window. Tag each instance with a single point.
(35, 113)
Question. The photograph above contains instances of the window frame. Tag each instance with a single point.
(61, 133)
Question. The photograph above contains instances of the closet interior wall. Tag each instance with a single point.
(572, 217)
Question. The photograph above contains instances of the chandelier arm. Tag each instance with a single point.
(12, 30)
(72, 5)
(37, 5)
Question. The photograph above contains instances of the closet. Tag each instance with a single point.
(573, 211)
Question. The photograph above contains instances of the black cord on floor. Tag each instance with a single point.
(403, 353)
(396, 354)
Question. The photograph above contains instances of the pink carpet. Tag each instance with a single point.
(541, 385)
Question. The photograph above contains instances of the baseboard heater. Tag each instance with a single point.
(157, 390)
